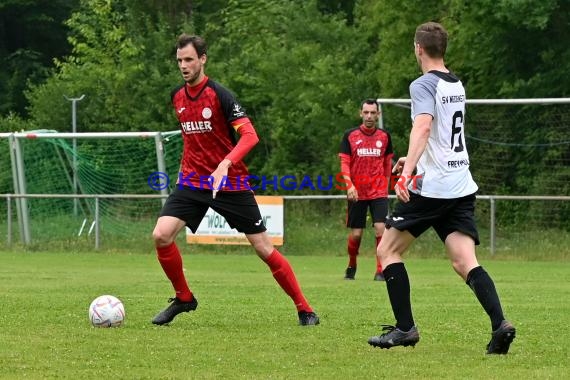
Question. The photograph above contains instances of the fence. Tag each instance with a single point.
(100, 180)
(95, 226)
(517, 147)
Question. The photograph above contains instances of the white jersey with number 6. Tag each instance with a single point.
(443, 168)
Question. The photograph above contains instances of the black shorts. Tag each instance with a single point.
(356, 213)
(444, 215)
(239, 208)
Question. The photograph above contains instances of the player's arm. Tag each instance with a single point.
(388, 170)
(388, 158)
(240, 122)
(418, 141)
(345, 155)
(351, 193)
(248, 139)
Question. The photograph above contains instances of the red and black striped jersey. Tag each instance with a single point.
(206, 113)
(370, 153)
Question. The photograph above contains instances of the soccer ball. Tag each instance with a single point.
(106, 311)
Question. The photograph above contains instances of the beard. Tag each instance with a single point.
(191, 79)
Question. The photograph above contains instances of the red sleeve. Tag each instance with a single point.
(344, 163)
(248, 139)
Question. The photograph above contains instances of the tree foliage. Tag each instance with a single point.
(299, 67)
(32, 33)
(121, 61)
(313, 90)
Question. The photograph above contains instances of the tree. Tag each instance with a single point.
(122, 61)
(346, 7)
(298, 73)
(32, 34)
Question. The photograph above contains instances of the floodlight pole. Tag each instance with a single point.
(74, 130)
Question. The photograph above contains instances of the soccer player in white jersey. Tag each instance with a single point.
(441, 194)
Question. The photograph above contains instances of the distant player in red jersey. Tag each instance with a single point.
(210, 172)
(365, 161)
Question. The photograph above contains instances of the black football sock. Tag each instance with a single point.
(398, 285)
(484, 288)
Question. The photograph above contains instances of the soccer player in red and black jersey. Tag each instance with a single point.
(211, 175)
(366, 161)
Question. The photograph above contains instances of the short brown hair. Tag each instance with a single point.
(198, 42)
(432, 37)
(369, 101)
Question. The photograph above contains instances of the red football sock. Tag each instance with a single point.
(285, 277)
(378, 264)
(353, 245)
(171, 261)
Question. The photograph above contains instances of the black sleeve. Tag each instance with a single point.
(174, 91)
(230, 106)
(345, 144)
(389, 148)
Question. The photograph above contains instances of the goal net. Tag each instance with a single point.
(95, 165)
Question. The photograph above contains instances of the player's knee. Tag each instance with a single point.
(379, 229)
(462, 268)
(161, 238)
(261, 243)
(356, 235)
(263, 248)
(382, 253)
(388, 252)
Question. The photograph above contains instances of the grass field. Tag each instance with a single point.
(246, 328)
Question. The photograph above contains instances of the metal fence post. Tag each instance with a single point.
(9, 219)
(97, 242)
(159, 146)
(20, 179)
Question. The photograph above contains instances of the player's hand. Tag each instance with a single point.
(352, 194)
(399, 166)
(219, 175)
(401, 189)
